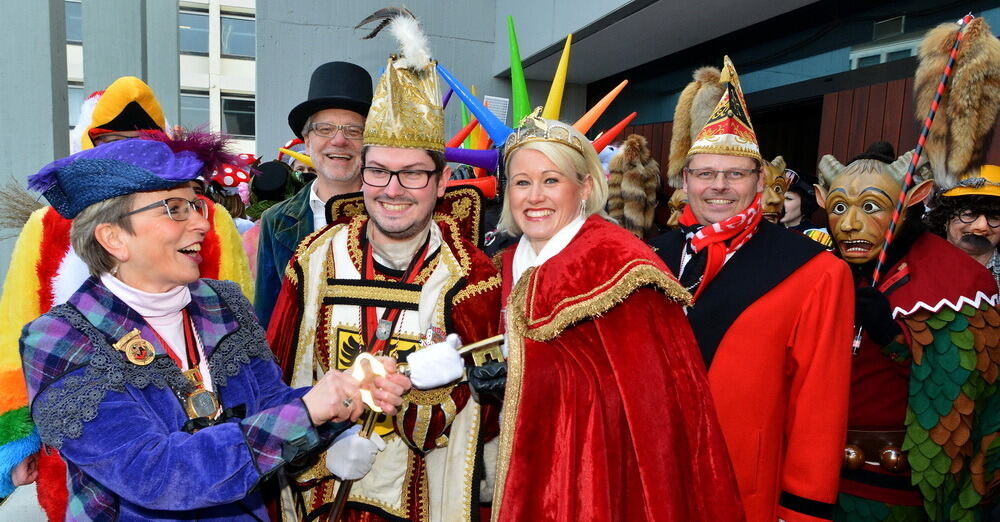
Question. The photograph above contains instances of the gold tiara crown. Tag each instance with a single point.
(535, 128)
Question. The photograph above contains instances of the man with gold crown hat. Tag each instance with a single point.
(770, 315)
(44, 271)
(397, 279)
(924, 424)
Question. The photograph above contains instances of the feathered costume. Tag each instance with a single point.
(931, 392)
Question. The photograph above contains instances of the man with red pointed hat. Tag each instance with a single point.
(770, 314)
(399, 278)
(45, 270)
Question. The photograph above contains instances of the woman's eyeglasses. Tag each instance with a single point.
(179, 209)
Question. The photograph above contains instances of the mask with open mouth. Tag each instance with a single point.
(859, 199)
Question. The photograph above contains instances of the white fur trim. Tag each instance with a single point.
(83, 123)
(71, 274)
(975, 301)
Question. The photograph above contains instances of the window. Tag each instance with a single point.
(192, 32)
(74, 25)
(75, 99)
(239, 37)
(866, 61)
(898, 55)
(194, 110)
(238, 117)
(874, 54)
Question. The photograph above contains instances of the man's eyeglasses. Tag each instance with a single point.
(728, 174)
(179, 209)
(970, 216)
(329, 130)
(410, 179)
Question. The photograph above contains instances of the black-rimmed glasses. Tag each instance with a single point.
(409, 179)
(329, 130)
(179, 209)
(969, 217)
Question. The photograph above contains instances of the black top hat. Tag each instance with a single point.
(334, 85)
(269, 183)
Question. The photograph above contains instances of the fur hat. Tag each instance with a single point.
(635, 178)
(693, 109)
(956, 145)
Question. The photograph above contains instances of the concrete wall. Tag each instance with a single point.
(293, 38)
(133, 38)
(32, 96)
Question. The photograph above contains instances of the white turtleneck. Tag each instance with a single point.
(162, 311)
(398, 254)
(525, 256)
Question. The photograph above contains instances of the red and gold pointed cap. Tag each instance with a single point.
(728, 130)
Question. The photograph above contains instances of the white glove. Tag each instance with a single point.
(437, 364)
(351, 457)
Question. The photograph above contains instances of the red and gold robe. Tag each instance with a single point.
(607, 413)
(429, 469)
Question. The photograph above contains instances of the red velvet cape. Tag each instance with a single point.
(608, 414)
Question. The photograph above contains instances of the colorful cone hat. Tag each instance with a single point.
(520, 104)
(553, 104)
(497, 130)
(406, 108)
(728, 130)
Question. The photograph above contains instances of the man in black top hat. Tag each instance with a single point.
(331, 123)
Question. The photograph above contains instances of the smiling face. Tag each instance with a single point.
(160, 253)
(720, 198)
(859, 208)
(543, 199)
(978, 238)
(400, 213)
(336, 159)
(772, 199)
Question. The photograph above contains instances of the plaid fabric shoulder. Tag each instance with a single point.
(64, 402)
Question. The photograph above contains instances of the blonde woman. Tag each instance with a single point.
(607, 412)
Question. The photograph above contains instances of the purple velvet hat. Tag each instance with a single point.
(75, 182)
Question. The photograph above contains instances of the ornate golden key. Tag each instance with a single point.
(365, 368)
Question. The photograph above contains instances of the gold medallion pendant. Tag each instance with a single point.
(137, 350)
(201, 402)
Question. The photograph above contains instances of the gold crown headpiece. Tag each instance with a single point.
(535, 128)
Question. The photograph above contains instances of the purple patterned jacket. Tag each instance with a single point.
(120, 426)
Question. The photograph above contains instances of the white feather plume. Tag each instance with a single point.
(412, 43)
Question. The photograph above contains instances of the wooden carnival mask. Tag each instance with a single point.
(776, 183)
(678, 200)
(859, 200)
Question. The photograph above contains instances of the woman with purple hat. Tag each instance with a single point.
(158, 387)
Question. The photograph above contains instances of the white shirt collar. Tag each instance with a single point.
(525, 256)
(318, 207)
